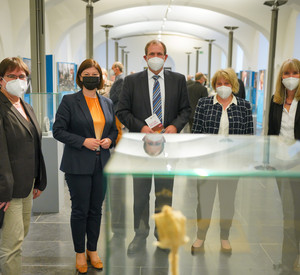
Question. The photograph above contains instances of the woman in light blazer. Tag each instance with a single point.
(85, 123)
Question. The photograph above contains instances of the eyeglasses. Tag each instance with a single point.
(13, 76)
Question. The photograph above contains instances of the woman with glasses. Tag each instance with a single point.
(85, 123)
(22, 167)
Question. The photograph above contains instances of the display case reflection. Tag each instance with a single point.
(204, 157)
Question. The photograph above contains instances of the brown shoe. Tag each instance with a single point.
(197, 247)
(82, 267)
(297, 264)
(93, 257)
(226, 247)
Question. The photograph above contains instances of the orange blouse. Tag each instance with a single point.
(97, 115)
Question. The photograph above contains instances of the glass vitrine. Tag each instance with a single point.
(244, 189)
(45, 106)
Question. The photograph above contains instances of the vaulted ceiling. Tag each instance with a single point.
(201, 19)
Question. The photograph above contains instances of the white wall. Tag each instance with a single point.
(263, 51)
(285, 36)
(176, 48)
(6, 29)
(297, 39)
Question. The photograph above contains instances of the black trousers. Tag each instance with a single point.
(117, 188)
(87, 195)
(206, 196)
(141, 190)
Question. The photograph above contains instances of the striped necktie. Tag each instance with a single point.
(157, 98)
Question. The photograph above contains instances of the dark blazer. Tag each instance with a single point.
(241, 93)
(195, 91)
(275, 117)
(115, 91)
(190, 82)
(208, 116)
(17, 152)
(134, 102)
(73, 124)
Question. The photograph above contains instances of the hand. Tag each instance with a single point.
(91, 143)
(105, 143)
(36, 193)
(5, 205)
(171, 129)
(146, 129)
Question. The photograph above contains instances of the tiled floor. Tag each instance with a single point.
(256, 236)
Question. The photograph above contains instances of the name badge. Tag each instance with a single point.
(154, 123)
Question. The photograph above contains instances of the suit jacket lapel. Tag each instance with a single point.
(32, 118)
(145, 91)
(297, 116)
(85, 109)
(168, 98)
(15, 111)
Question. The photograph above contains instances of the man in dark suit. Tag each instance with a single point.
(116, 88)
(171, 107)
(115, 91)
(196, 91)
(189, 80)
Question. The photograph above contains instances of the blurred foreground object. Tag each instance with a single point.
(171, 232)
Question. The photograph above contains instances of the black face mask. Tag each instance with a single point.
(91, 82)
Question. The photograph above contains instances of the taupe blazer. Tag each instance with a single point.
(17, 152)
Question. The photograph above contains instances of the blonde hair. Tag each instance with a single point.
(119, 65)
(279, 95)
(228, 74)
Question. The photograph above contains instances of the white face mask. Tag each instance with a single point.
(291, 83)
(156, 63)
(224, 91)
(16, 87)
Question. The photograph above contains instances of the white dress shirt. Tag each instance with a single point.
(288, 121)
(224, 122)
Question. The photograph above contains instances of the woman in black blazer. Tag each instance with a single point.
(85, 123)
(22, 167)
(284, 120)
(286, 98)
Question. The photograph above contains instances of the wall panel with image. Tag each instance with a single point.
(27, 61)
(260, 96)
(66, 77)
(249, 80)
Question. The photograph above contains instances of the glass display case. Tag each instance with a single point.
(244, 189)
(45, 106)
